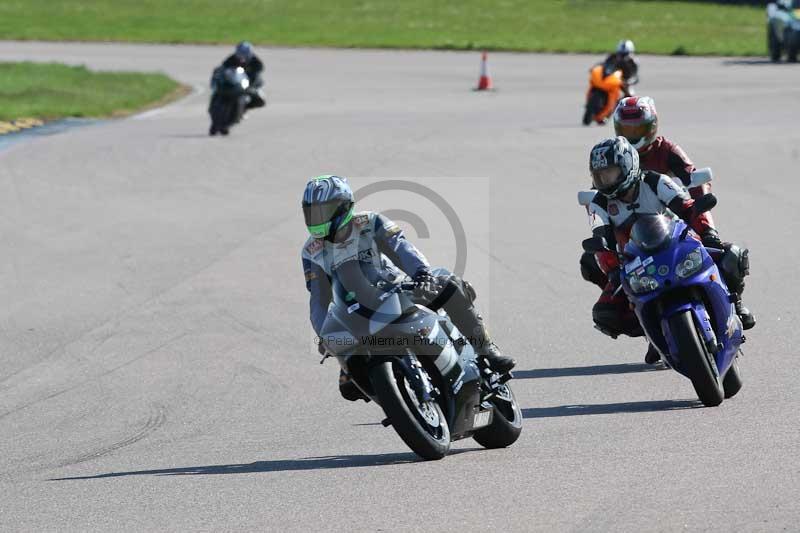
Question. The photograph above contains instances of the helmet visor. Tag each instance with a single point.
(605, 179)
(316, 214)
(634, 132)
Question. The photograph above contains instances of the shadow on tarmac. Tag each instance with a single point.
(755, 61)
(609, 408)
(279, 465)
(594, 370)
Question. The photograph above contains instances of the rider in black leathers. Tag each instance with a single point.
(244, 57)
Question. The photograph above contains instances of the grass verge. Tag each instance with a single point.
(50, 90)
(657, 26)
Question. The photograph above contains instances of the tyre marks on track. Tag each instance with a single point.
(156, 418)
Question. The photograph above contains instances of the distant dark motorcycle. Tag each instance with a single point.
(415, 364)
(229, 98)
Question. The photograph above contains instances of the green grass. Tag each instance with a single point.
(51, 90)
(539, 25)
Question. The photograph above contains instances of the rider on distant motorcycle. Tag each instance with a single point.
(624, 192)
(339, 235)
(244, 57)
(622, 59)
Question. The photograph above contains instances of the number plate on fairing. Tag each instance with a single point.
(482, 418)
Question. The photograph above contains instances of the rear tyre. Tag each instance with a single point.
(422, 427)
(773, 45)
(696, 360)
(733, 380)
(506, 423)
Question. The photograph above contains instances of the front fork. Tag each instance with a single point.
(701, 318)
(418, 378)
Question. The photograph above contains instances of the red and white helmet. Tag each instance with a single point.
(636, 119)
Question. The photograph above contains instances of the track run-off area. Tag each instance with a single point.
(157, 365)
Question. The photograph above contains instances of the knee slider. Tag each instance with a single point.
(607, 318)
(590, 270)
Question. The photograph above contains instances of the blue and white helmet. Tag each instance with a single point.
(327, 205)
(625, 47)
(244, 51)
(614, 165)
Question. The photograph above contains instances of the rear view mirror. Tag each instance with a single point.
(700, 177)
(586, 197)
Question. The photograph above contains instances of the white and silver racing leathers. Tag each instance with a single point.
(655, 194)
(376, 242)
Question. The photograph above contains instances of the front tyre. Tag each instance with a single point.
(792, 42)
(422, 426)
(506, 423)
(218, 109)
(587, 116)
(695, 359)
(733, 380)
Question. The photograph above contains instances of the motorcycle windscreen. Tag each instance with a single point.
(652, 233)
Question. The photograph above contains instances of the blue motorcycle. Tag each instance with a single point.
(682, 301)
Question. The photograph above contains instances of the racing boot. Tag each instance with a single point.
(497, 361)
(747, 318)
(471, 325)
(349, 390)
(652, 357)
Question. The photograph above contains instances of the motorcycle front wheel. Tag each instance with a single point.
(696, 360)
(421, 425)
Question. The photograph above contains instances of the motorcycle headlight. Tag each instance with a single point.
(690, 264)
(640, 284)
(245, 84)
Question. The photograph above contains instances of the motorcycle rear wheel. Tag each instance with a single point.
(695, 359)
(506, 423)
(422, 427)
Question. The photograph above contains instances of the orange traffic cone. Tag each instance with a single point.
(485, 81)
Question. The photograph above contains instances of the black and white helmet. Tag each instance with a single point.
(625, 47)
(614, 165)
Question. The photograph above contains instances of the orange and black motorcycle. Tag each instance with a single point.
(605, 90)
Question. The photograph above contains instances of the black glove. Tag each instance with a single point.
(711, 239)
(426, 286)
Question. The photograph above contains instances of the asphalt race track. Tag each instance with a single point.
(157, 369)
